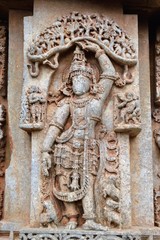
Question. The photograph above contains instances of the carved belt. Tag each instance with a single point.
(80, 193)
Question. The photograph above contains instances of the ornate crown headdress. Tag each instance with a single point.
(79, 65)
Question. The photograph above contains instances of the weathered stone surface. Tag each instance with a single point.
(3, 85)
(84, 167)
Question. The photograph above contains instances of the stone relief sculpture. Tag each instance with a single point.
(76, 152)
(33, 115)
(126, 111)
(80, 182)
(110, 180)
(76, 27)
(65, 32)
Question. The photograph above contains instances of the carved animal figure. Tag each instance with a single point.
(110, 189)
(112, 194)
(129, 109)
(112, 216)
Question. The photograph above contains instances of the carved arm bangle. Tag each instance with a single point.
(56, 124)
(110, 77)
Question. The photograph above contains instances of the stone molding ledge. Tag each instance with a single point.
(64, 234)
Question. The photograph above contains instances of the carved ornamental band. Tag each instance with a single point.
(77, 27)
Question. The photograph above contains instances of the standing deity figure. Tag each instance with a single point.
(71, 155)
(36, 102)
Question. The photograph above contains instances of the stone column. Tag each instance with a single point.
(141, 151)
(35, 180)
(17, 190)
(124, 169)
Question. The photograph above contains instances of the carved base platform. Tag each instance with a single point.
(128, 128)
(64, 234)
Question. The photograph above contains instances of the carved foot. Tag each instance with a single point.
(52, 225)
(71, 225)
(91, 225)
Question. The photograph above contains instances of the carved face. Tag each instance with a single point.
(80, 84)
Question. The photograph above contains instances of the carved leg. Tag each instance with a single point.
(123, 115)
(89, 208)
(71, 211)
(88, 201)
(72, 214)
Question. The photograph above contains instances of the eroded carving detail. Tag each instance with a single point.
(33, 109)
(156, 132)
(80, 161)
(77, 235)
(2, 59)
(109, 181)
(77, 27)
(127, 116)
